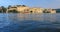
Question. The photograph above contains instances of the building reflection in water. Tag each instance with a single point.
(39, 17)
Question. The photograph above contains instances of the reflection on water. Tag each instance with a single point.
(38, 17)
(29, 22)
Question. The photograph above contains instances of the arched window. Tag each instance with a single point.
(31, 11)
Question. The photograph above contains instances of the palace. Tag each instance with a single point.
(25, 9)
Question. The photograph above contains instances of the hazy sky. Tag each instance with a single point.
(32, 3)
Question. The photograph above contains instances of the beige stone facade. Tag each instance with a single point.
(25, 9)
(51, 10)
(11, 9)
(36, 10)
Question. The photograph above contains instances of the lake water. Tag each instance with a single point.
(15, 22)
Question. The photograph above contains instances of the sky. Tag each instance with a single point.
(32, 3)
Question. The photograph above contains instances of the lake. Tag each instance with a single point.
(16, 22)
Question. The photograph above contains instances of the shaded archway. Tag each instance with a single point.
(31, 11)
(12, 11)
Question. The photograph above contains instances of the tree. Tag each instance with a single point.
(24, 5)
(1, 10)
(4, 9)
(18, 5)
(9, 6)
(57, 10)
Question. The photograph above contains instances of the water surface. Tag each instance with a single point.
(15, 22)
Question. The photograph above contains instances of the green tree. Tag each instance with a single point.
(24, 5)
(1, 10)
(9, 6)
(4, 9)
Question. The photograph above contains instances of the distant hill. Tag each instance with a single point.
(57, 10)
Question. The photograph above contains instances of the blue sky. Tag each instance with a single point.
(32, 3)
